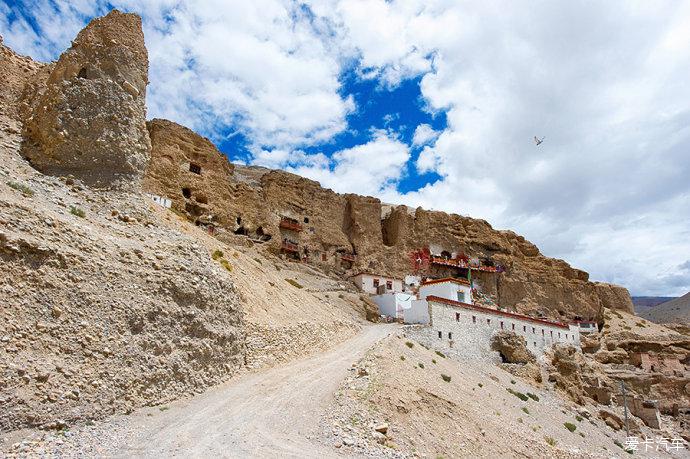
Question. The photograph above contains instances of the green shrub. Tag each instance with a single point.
(533, 396)
(402, 357)
(446, 378)
(480, 385)
(409, 344)
(21, 187)
(570, 426)
(217, 254)
(433, 360)
(77, 211)
(550, 441)
(519, 395)
(579, 418)
(294, 283)
(421, 365)
(525, 410)
(225, 264)
(258, 260)
(512, 381)
(441, 354)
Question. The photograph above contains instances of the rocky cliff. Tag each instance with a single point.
(350, 233)
(85, 115)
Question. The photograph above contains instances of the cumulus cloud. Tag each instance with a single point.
(373, 168)
(423, 135)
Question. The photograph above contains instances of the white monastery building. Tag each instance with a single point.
(450, 322)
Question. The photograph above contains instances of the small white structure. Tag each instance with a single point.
(449, 287)
(394, 304)
(376, 284)
(587, 326)
(161, 201)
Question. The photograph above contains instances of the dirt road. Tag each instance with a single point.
(272, 413)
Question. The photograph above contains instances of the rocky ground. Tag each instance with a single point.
(403, 400)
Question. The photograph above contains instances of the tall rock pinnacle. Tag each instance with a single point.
(88, 119)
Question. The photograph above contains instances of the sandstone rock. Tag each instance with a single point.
(83, 119)
(382, 428)
(512, 348)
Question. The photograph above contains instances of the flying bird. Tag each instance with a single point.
(538, 141)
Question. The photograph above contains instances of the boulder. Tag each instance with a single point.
(512, 348)
(88, 118)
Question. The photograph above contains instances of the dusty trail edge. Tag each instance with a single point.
(271, 413)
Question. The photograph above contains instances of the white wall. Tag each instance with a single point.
(448, 290)
(418, 312)
(393, 304)
(471, 334)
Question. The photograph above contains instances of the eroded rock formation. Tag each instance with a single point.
(349, 233)
(85, 115)
(512, 348)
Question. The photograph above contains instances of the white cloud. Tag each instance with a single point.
(372, 168)
(423, 135)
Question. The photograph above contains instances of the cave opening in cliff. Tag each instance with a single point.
(194, 168)
(446, 254)
(187, 193)
(261, 235)
(82, 73)
(241, 231)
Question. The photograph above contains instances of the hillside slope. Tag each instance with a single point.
(110, 301)
(676, 311)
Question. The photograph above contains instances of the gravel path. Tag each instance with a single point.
(272, 413)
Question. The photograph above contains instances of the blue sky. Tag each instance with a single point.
(435, 103)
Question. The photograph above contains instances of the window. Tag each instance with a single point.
(542, 332)
(389, 285)
(474, 319)
(306, 219)
(195, 168)
(488, 321)
(440, 335)
(559, 334)
(501, 325)
(551, 333)
(513, 326)
(323, 257)
(376, 283)
(187, 193)
(566, 336)
(461, 297)
(535, 344)
(457, 317)
(524, 328)
(534, 330)
(450, 335)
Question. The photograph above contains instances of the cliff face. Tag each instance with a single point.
(328, 228)
(85, 115)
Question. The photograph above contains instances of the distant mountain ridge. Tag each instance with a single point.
(642, 303)
(676, 310)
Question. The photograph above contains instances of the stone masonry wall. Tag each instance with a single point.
(470, 333)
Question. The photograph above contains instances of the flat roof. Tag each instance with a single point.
(372, 274)
(496, 312)
(446, 279)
